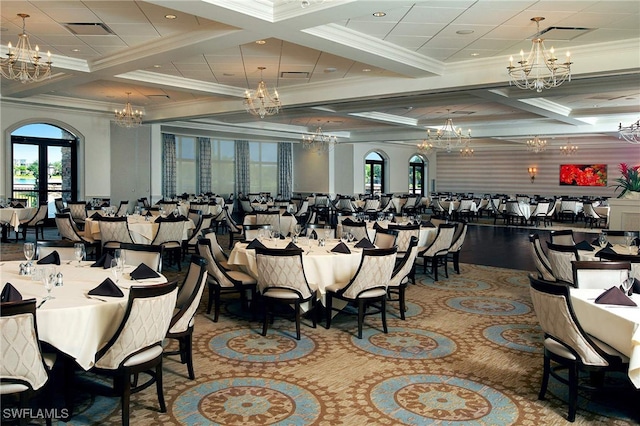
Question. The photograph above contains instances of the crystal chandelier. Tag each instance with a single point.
(448, 136)
(467, 151)
(22, 62)
(261, 102)
(568, 149)
(630, 133)
(425, 146)
(540, 70)
(319, 141)
(127, 117)
(536, 145)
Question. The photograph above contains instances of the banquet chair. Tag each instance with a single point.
(437, 209)
(195, 215)
(540, 213)
(456, 245)
(169, 237)
(202, 207)
(319, 230)
(513, 213)
(270, 218)
(150, 255)
(410, 206)
(136, 346)
(568, 210)
(401, 275)
(68, 231)
(191, 243)
(566, 344)
(591, 217)
(371, 206)
(563, 237)
(436, 253)
(405, 232)
(385, 238)
(367, 287)
(560, 258)
(143, 203)
(218, 253)
(24, 368)
(168, 206)
(281, 279)
(357, 229)
(599, 275)
(235, 231)
(59, 203)
(187, 301)
(246, 205)
(251, 232)
(303, 210)
(221, 280)
(464, 209)
(18, 202)
(540, 259)
(78, 211)
(65, 249)
(123, 208)
(113, 232)
(35, 222)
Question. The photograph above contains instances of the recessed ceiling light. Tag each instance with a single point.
(379, 14)
(157, 66)
(475, 54)
(170, 16)
(330, 69)
(366, 70)
(261, 42)
(228, 74)
(464, 32)
(75, 50)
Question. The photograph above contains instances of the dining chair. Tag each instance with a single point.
(599, 275)
(66, 249)
(169, 237)
(35, 222)
(123, 208)
(385, 238)
(113, 232)
(251, 232)
(59, 203)
(464, 211)
(136, 346)
(216, 249)
(195, 215)
(281, 279)
(401, 276)
(560, 258)
(235, 231)
(568, 210)
(225, 281)
(367, 287)
(540, 259)
(512, 213)
(270, 218)
(24, 368)
(540, 213)
(405, 232)
(436, 253)
(357, 229)
(69, 231)
(150, 255)
(78, 211)
(191, 243)
(456, 245)
(168, 206)
(566, 344)
(187, 302)
(563, 237)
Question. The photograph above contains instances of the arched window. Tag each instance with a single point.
(44, 162)
(374, 174)
(416, 175)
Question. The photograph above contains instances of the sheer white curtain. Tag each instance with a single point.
(204, 171)
(168, 165)
(243, 178)
(285, 169)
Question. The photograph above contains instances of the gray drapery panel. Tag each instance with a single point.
(285, 169)
(204, 148)
(243, 180)
(168, 165)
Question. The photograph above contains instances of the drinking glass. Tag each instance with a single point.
(628, 239)
(350, 236)
(297, 229)
(29, 251)
(602, 240)
(344, 237)
(327, 232)
(627, 286)
(116, 270)
(119, 256)
(48, 279)
(79, 252)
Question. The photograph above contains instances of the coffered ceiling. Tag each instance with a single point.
(363, 78)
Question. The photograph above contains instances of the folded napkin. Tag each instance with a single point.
(584, 245)
(313, 235)
(106, 288)
(341, 248)
(18, 206)
(256, 244)
(348, 222)
(364, 243)
(10, 294)
(142, 272)
(103, 262)
(597, 243)
(286, 214)
(96, 216)
(377, 227)
(182, 217)
(608, 250)
(282, 237)
(614, 296)
(148, 213)
(293, 246)
(52, 258)
(427, 224)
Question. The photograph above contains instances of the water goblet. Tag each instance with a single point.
(297, 229)
(79, 252)
(327, 232)
(29, 251)
(48, 279)
(602, 240)
(350, 236)
(628, 239)
(344, 237)
(116, 270)
(627, 286)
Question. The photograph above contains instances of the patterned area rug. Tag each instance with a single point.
(469, 353)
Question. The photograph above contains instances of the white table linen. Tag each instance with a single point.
(73, 323)
(617, 326)
(287, 223)
(592, 255)
(426, 235)
(13, 216)
(141, 230)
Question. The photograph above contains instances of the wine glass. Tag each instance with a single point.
(350, 236)
(628, 239)
(602, 240)
(48, 279)
(327, 232)
(297, 229)
(627, 286)
(79, 252)
(29, 251)
(344, 237)
(119, 256)
(116, 270)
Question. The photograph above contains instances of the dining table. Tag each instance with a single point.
(425, 237)
(616, 325)
(287, 223)
(142, 231)
(12, 216)
(74, 322)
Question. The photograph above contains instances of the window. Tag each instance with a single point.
(263, 168)
(186, 165)
(222, 167)
(374, 174)
(416, 175)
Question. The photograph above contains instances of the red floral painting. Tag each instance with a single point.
(583, 174)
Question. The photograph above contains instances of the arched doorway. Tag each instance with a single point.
(44, 163)
(417, 173)
(374, 173)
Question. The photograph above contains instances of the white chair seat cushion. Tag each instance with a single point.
(171, 245)
(335, 287)
(242, 277)
(144, 356)
(225, 265)
(9, 388)
(282, 294)
(374, 292)
(558, 349)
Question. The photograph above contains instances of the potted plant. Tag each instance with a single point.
(629, 182)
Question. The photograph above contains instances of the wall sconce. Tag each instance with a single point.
(532, 173)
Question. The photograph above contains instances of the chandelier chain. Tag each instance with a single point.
(24, 63)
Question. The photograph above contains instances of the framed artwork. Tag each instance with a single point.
(583, 174)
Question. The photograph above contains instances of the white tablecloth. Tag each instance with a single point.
(591, 255)
(617, 326)
(141, 231)
(287, 223)
(14, 216)
(73, 323)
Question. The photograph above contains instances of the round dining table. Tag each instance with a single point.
(74, 322)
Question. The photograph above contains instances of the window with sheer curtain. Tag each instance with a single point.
(263, 157)
(222, 166)
(186, 165)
